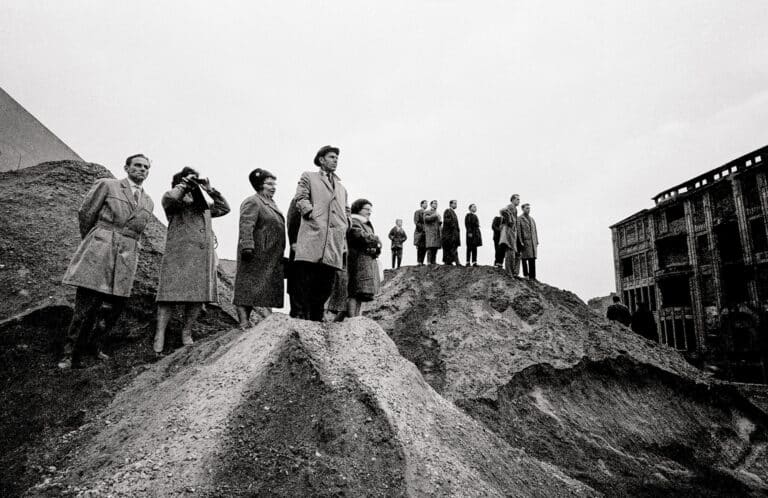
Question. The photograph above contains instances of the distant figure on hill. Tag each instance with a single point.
(644, 324)
(474, 236)
(419, 237)
(498, 249)
(528, 241)
(508, 236)
(617, 312)
(398, 236)
(364, 248)
(112, 218)
(188, 270)
(432, 222)
(451, 236)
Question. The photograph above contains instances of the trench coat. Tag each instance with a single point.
(188, 270)
(397, 236)
(432, 222)
(472, 226)
(322, 237)
(496, 229)
(364, 280)
(259, 280)
(508, 236)
(451, 235)
(111, 223)
(527, 237)
(419, 238)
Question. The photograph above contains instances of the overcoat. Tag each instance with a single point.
(432, 222)
(419, 238)
(111, 223)
(508, 236)
(397, 236)
(188, 270)
(259, 280)
(496, 229)
(323, 237)
(527, 236)
(472, 226)
(363, 268)
(451, 234)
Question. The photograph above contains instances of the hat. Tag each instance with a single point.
(323, 151)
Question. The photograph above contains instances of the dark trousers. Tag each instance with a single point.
(397, 257)
(315, 285)
(94, 316)
(451, 255)
(498, 253)
(529, 268)
(432, 255)
(421, 251)
(471, 254)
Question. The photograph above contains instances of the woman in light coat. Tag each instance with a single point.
(363, 267)
(188, 270)
(432, 232)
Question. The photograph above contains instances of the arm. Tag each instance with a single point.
(392, 234)
(357, 237)
(249, 215)
(431, 216)
(293, 221)
(89, 211)
(173, 200)
(303, 196)
(220, 205)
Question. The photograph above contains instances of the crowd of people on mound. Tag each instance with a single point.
(331, 270)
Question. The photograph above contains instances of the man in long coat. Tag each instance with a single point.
(498, 250)
(528, 241)
(432, 237)
(508, 236)
(419, 237)
(321, 245)
(451, 235)
(112, 218)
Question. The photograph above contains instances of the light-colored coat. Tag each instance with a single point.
(111, 223)
(188, 270)
(323, 237)
(432, 222)
(259, 281)
(527, 236)
(508, 235)
(364, 280)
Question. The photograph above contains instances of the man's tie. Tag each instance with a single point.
(136, 195)
(330, 179)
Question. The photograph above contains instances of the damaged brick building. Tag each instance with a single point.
(699, 259)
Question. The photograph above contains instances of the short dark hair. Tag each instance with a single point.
(358, 205)
(433, 200)
(258, 176)
(423, 201)
(470, 206)
(181, 174)
(453, 200)
(616, 299)
(131, 158)
(524, 205)
(514, 196)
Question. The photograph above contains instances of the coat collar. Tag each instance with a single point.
(270, 203)
(326, 182)
(125, 185)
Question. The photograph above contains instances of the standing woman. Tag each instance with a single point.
(364, 247)
(434, 240)
(260, 247)
(188, 270)
(474, 237)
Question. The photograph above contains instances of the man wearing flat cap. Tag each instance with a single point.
(321, 245)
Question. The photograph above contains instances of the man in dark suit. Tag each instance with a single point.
(451, 235)
(419, 237)
(498, 250)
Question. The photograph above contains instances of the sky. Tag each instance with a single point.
(585, 109)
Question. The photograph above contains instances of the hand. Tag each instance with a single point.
(246, 254)
(293, 247)
(189, 182)
(205, 183)
(307, 215)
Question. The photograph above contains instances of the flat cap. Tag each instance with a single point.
(325, 149)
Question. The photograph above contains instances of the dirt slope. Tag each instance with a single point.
(536, 366)
(295, 408)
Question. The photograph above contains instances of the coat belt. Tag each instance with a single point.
(127, 232)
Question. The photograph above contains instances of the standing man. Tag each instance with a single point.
(528, 239)
(419, 237)
(321, 244)
(397, 235)
(498, 249)
(474, 237)
(432, 222)
(508, 236)
(451, 235)
(112, 217)
(617, 312)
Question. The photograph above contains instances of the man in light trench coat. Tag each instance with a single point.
(112, 218)
(321, 244)
(508, 236)
(528, 241)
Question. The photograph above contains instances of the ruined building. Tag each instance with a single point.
(699, 259)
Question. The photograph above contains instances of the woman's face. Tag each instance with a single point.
(366, 210)
(269, 187)
(433, 204)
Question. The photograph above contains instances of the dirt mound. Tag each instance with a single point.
(539, 368)
(295, 408)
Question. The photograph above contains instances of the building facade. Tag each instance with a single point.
(699, 259)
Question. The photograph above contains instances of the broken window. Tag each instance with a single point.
(675, 216)
(631, 235)
(675, 291)
(729, 242)
(734, 283)
(690, 335)
(757, 233)
(672, 251)
(652, 293)
(698, 211)
(703, 254)
(626, 267)
(722, 201)
(750, 194)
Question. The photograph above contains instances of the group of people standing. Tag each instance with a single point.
(515, 237)
(333, 251)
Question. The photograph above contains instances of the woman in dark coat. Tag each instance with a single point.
(363, 268)
(260, 247)
(474, 237)
(188, 269)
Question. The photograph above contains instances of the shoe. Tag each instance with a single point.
(186, 338)
(101, 355)
(65, 363)
(159, 355)
(473, 264)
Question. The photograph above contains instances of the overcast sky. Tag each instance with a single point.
(586, 109)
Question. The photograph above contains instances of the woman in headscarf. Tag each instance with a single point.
(260, 247)
(362, 265)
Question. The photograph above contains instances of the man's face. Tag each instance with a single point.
(453, 204)
(472, 208)
(399, 223)
(526, 209)
(424, 205)
(329, 161)
(433, 204)
(515, 201)
(138, 170)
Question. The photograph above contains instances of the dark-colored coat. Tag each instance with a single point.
(419, 237)
(432, 222)
(617, 312)
(363, 270)
(451, 233)
(259, 281)
(472, 226)
(293, 222)
(397, 235)
(527, 237)
(188, 270)
(508, 235)
(111, 223)
(496, 228)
